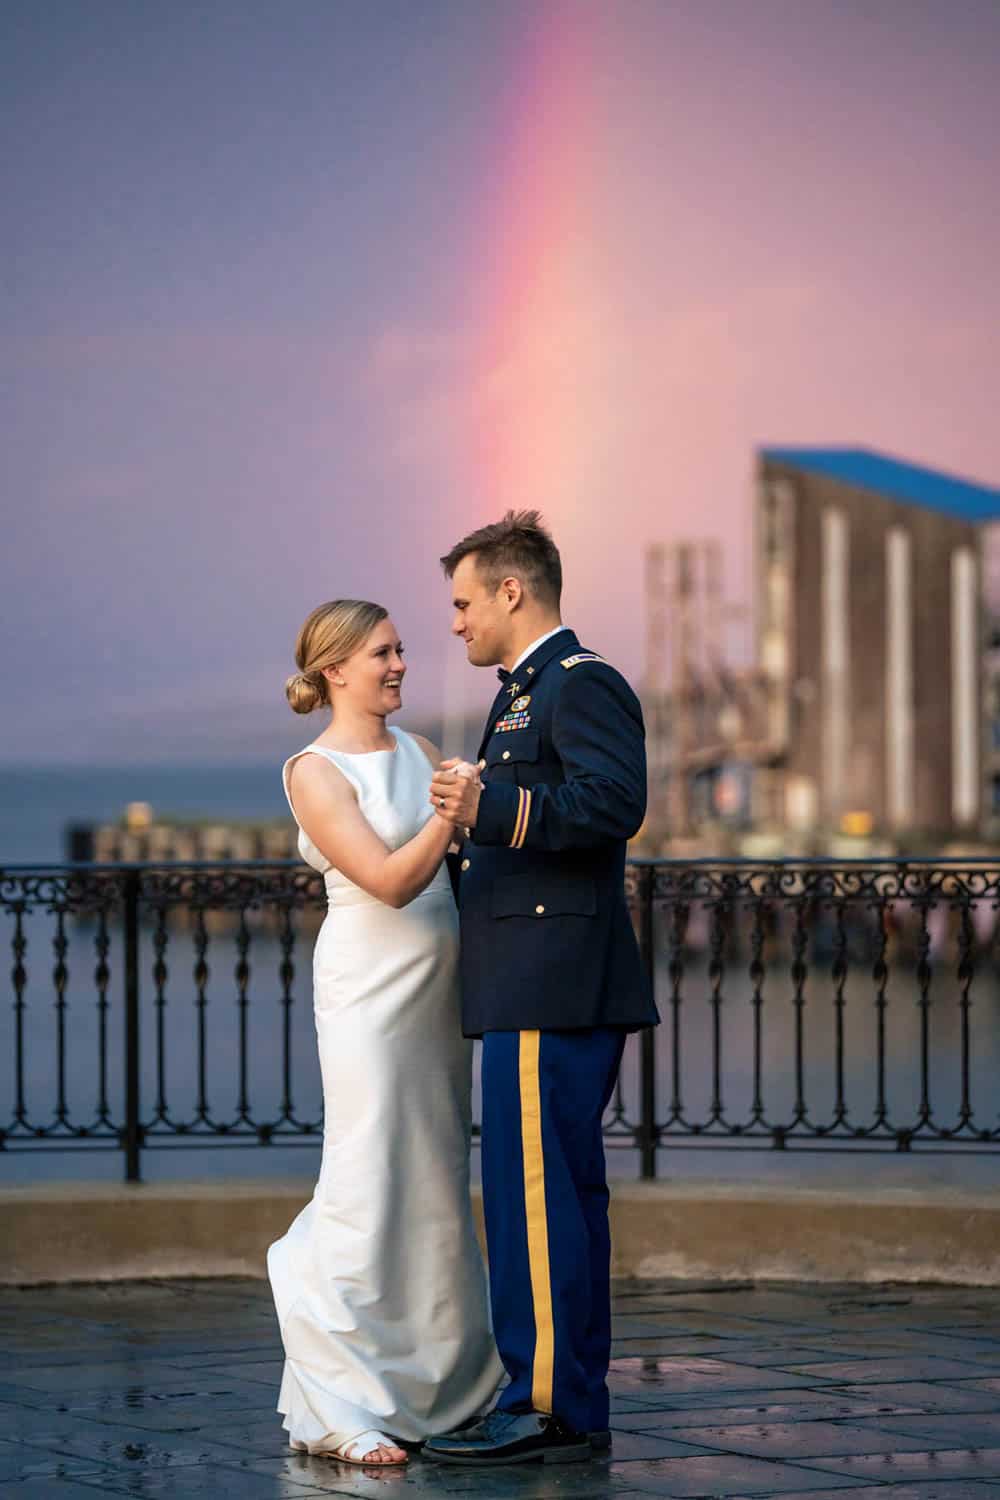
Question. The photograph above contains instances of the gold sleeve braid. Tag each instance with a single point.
(521, 818)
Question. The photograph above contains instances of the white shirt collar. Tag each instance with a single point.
(535, 645)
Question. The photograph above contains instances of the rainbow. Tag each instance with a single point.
(537, 324)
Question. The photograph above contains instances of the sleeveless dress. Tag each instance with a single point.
(379, 1285)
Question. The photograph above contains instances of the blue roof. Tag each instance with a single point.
(890, 476)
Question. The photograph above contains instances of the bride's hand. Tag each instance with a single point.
(463, 768)
(457, 803)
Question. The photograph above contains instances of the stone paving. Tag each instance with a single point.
(803, 1392)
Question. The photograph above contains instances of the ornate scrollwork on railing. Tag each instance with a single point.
(77, 891)
(232, 888)
(876, 881)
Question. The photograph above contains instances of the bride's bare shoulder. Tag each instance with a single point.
(310, 772)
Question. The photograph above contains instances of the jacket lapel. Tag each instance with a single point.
(521, 681)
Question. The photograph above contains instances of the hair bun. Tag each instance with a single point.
(304, 693)
(330, 635)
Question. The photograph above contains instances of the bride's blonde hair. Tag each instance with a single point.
(331, 634)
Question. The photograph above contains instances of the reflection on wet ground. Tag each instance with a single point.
(168, 1389)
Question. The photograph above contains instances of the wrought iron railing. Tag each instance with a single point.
(812, 1005)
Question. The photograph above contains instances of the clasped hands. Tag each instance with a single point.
(456, 787)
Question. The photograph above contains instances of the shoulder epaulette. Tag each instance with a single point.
(574, 661)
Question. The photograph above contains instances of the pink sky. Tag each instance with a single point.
(283, 334)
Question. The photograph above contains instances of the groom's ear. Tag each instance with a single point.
(512, 592)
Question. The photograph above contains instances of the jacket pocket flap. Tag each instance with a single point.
(514, 746)
(548, 896)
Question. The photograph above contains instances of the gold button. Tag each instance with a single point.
(505, 755)
(466, 863)
(540, 911)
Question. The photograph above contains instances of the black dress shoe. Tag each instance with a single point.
(600, 1439)
(511, 1437)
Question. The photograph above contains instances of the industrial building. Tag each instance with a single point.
(871, 708)
(876, 597)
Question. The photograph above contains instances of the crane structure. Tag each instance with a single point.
(702, 714)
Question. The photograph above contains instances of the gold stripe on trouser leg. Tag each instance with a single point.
(536, 1220)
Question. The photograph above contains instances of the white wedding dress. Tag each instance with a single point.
(379, 1284)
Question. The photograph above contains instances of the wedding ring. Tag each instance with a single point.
(440, 802)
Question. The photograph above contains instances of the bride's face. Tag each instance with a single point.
(373, 676)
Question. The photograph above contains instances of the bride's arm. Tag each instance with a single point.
(328, 810)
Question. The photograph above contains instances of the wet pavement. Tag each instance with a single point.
(167, 1389)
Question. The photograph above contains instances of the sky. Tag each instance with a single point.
(294, 295)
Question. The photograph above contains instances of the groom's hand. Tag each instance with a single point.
(455, 791)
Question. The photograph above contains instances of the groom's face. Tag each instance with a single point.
(482, 615)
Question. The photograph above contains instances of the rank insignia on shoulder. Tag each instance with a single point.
(573, 661)
(521, 704)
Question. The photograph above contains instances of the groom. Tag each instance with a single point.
(551, 981)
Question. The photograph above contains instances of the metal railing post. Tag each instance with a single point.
(131, 1135)
(647, 1045)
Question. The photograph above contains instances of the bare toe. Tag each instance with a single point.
(385, 1454)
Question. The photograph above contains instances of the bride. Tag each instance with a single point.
(378, 1284)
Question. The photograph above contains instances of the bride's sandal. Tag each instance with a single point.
(358, 1450)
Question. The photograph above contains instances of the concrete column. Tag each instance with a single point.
(964, 695)
(899, 763)
(836, 660)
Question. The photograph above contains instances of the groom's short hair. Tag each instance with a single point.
(520, 546)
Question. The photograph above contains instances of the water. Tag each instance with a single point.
(36, 804)
(34, 809)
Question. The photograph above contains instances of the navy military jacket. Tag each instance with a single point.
(547, 942)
